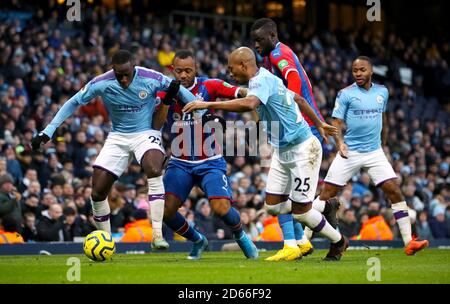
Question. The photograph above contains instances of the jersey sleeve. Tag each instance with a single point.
(259, 88)
(86, 94)
(220, 88)
(340, 105)
(284, 62)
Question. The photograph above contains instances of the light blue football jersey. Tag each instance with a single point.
(283, 120)
(362, 111)
(130, 109)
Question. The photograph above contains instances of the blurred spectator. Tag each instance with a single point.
(29, 230)
(423, 227)
(9, 231)
(438, 224)
(9, 199)
(74, 225)
(248, 225)
(139, 230)
(375, 227)
(204, 221)
(50, 227)
(348, 224)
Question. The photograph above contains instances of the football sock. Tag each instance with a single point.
(101, 214)
(300, 236)
(317, 222)
(156, 199)
(233, 220)
(319, 204)
(287, 227)
(179, 225)
(404, 222)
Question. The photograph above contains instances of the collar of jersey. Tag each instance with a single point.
(193, 86)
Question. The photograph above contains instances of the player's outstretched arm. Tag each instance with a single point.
(324, 129)
(83, 96)
(236, 105)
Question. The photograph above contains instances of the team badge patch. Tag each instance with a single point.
(380, 99)
(282, 64)
(143, 94)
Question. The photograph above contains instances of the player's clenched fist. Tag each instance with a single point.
(38, 139)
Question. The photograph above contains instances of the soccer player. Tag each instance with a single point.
(129, 94)
(284, 63)
(361, 108)
(294, 170)
(196, 166)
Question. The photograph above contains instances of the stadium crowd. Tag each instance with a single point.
(44, 60)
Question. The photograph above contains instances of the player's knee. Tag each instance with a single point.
(272, 209)
(220, 207)
(98, 195)
(152, 171)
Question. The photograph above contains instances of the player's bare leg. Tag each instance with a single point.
(326, 203)
(102, 181)
(178, 224)
(275, 205)
(304, 213)
(222, 208)
(393, 193)
(152, 164)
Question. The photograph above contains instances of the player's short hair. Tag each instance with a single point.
(365, 58)
(266, 23)
(121, 57)
(183, 54)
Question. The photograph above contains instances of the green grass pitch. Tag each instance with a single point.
(430, 266)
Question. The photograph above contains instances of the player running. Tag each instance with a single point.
(361, 108)
(283, 62)
(191, 165)
(129, 94)
(294, 170)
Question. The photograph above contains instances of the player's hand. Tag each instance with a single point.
(38, 139)
(195, 105)
(343, 150)
(327, 130)
(172, 92)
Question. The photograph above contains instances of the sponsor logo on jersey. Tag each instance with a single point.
(226, 84)
(282, 64)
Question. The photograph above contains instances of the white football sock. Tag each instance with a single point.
(156, 197)
(303, 240)
(404, 222)
(101, 214)
(319, 204)
(317, 222)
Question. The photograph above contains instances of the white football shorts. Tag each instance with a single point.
(119, 149)
(375, 162)
(294, 171)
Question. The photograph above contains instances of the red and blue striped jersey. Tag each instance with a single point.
(196, 150)
(281, 61)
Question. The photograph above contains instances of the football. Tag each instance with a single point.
(99, 245)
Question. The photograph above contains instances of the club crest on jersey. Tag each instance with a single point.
(380, 99)
(143, 94)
